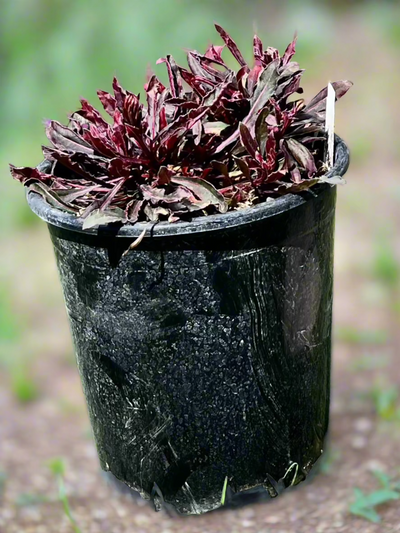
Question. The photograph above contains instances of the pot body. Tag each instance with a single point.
(205, 357)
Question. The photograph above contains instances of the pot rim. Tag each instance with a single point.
(203, 224)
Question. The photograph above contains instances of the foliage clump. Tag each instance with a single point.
(215, 139)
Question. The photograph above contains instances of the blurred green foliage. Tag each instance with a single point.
(57, 467)
(28, 499)
(365, 505)
(385, 398)
(370, 361)
(22, 383)
(385, 265)
(352, 335)
(3, 480)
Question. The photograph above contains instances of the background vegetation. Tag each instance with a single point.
(54, 51)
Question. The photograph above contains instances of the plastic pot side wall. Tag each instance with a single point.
(205, 355)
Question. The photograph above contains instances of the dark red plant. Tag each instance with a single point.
(214, 140)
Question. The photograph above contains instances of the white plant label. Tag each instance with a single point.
(330, 124)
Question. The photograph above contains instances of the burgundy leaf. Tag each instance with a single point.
(132, 109)
(291, 163)
(112, 194)
(100, 142)
(197, 69)
(270, 150)
(157, 196)
(108, 102)
(318, 103)
(84, 165)
(205, 192)
(241, 78)
(289, 52)
(253, 76)
(257, 48)
(51, 197)
(302, 155)
(119, 94)
(156, 95)
(247, 140)
(244, 168)
(123, 166)
(64, 138)
(70, 195)
(163, 176)
(270, 55)
(91, 114)
(214, 52)
(175, 80)
(266, 87)
(182, 125)
(100, 218)
(230, 43)
(117, 134)
(196, 83)
(290, 86)
(197, 131)
(208, 65)
(132, 210)
(138, 138)
(221, 167)
(154, 213)
(27, 174)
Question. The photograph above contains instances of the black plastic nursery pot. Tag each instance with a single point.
(205, 352)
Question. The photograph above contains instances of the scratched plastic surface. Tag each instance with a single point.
(211, 364)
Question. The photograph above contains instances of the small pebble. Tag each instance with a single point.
(374, 464)
(141, 519)
(248, 523)
(359, 442)
(363, 425)
(272, 519)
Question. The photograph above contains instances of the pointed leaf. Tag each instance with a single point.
(215, 53)
(119, 94)
(64, 138)
(175, 80)
(257, 48)
(289, 52)
(381, 496)
(100, 218)
(132, 210)
(51, 197)
(369, 514)
(108, 101)
(265, 89)
(318, 103)
(132, 109)
(248, 141)
(91, 114)
(230, 43)
(206, 192)
(303, 156)
(26, 174)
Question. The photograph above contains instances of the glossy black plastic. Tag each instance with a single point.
(205, 353)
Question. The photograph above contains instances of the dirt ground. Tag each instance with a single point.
(56, 424)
